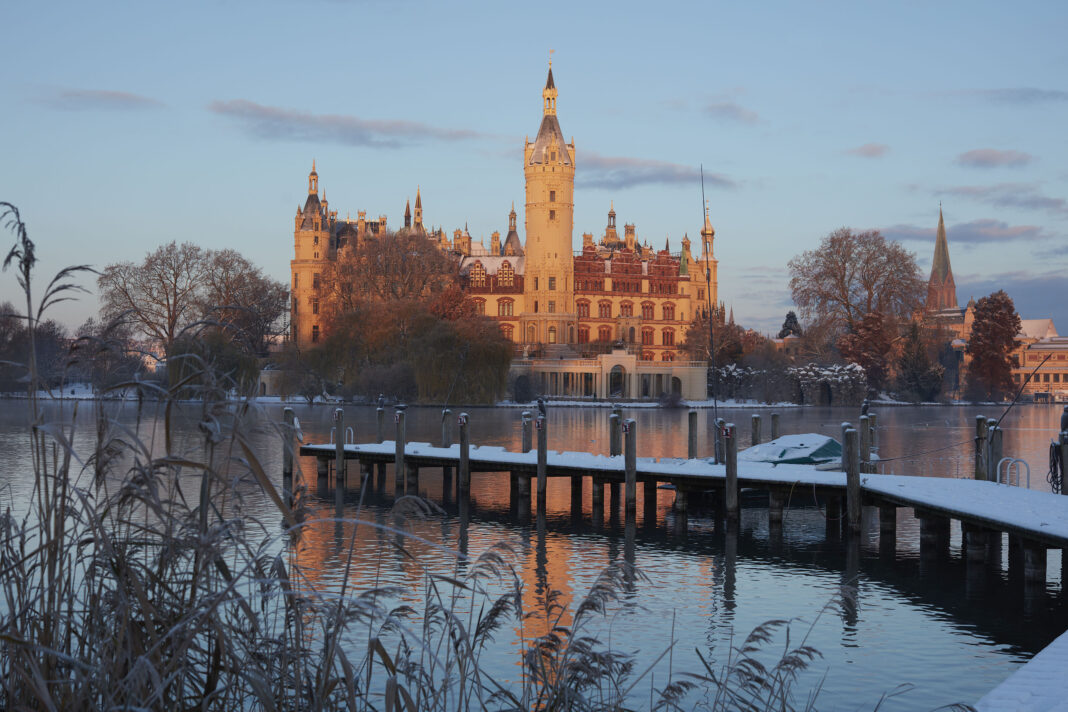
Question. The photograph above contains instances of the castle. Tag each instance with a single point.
(615, 296)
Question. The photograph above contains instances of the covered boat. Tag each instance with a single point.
(804, 449)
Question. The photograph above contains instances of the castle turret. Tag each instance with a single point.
(549, 169)
(512, 246)
(709, 264)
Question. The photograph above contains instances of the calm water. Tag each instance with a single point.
(950, 630)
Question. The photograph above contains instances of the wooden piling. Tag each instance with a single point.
(980, 447)
(464, 468)
(649, 503)
(411, 482)
(776, 500)
(845, 428)
(339, 455)
(681, 500)
(543, 458)
(289, 448)
(576, 496)
(774, 426)
(851, 455)
(691, 435)
(380, 419)
(527, 438)
(873, 422)
(630, 466)
(995, 444)
(865, 444)
(730, 440)
(888, 520)
(1034, 556)
(446, 441)
(597, 495)
(975, 542)
(398, 452)
(720, 455)
(615, 435)
(756, 429)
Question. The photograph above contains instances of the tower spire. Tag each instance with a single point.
(941, 289)
(313, 180)
(548, 95)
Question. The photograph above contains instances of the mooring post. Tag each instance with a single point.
(865, 444)
(720, 455)
(576, 497)
(446, 442)
(543, 458)
(774, 426)
(887, 529)
(289, 447)
(980, 447)
(630, 465)
(615, 435)
(1034, 562)
(846, 427)
(873, 423)
(339, 448)
(730, 438)
(975, 542)
(464, 474)
(775, 507)
(398, 452)
(756, 429)
(649, 503)
(380, 420)
(527, 441)
(597, 499)
(995, 444)
(691, 434)
(851, 455)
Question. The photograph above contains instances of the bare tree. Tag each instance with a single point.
(246, 302)
(161, 296)
(853, 274)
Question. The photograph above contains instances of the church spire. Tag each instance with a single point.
(941, 289)
(407, 214)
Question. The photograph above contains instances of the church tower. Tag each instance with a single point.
(941, 290)
(549, 169)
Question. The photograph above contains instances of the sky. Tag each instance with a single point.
(124, 126)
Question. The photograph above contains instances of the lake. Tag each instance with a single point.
(949, 630)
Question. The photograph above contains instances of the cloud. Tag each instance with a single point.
(599, 171)
(869, 150)
(731, 111)
(1009, 195)
(993, 158)
(276, 124)
(1030, 292)
(99, 99)
(970, 233)
(1021, 95)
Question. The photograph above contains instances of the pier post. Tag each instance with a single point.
(289, 448)
(865, 444)
(887, 529)
(649, 503)
(597, 499)
(464, 469)
(775, 506)
(980, 447)
(995, 445)
(523, 479)
(1034, 562)
(682, 503)
(774, 426)
(543, 459)
(615, 435)
(756, 429)
(851, 455)
(380, 420)
(873, 423)
(322, 472)
(934, 535)
(630, 464)
(339, 457)
(398, 452)
(446, 441)
(731, 497)
(845, 462)
(720, 454)
(527, 438)
(691, 435)
(576, 497)
(411, 483)
(975, 542)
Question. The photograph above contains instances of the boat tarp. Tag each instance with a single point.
(804, 449)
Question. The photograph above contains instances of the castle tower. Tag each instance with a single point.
(708, 279)
(611, 237)
(418, 217)
(407, 215)
(311, 245)
(512, 246)
(941, 289)
(549, 170)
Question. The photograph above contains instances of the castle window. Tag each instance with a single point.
(667, 356)
(315, 240)
(552, 215)
(647, 337)
(531, 334)
(626, 309)
(584, 335)
(604, 334)
(535, 306)
(552, 307)
(315, 281)
(315, 306)
(604, 310)
(647, 355)
(552, 283)
(701, 294)
(315, 334)
(316, 255)
(535, 286)
(669, 312)
(552, 334)
(552, 196)
(506, 330)
(480, 306)
(478, 275)
(583, 309)
(506, 275)
(505, 307)
(296, 280)
(667, 337)
(647, 310)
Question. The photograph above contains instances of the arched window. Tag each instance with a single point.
(478, 275)
(505, 307)
(506, 275)
(584, 335)
(667, 337)
(669, 312)
(647, 355)
(507, 331)
(604, 310)
(647, 337)
(480, 306)
(626, 309)
(532, 336)
(552, 334)
(583, 309)
(647, 311)
(604, 334)
(667, 356)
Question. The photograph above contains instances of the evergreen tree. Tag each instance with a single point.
(868, 345)
(990, 347)
(919, 377)
(790, 326)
